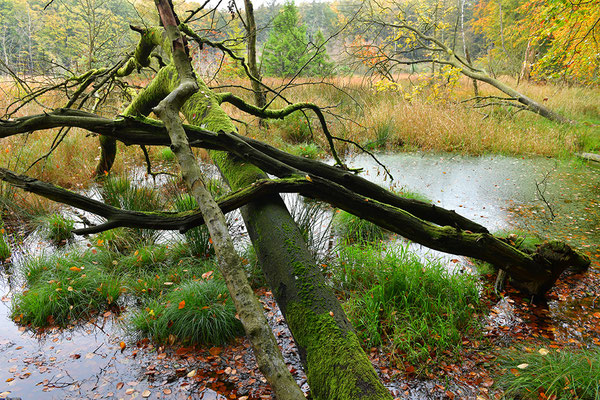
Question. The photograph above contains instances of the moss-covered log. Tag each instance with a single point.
(203, 110)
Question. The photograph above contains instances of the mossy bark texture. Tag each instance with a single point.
(266, 350)
(341, 371)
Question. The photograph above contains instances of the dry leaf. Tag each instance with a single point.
(523, 366)
(181, 304)
(543, 351)
(191, 374)
(146, 393)
(120, 385)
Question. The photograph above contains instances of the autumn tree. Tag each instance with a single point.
(554, 40)
(415, 39)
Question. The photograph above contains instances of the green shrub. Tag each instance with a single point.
(352, 229)
(197, 312)
(56, 228)
(421, 311)
(5, 251)
(64, 289)
(565, 374)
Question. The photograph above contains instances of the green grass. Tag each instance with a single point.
(122, 193)
(5, 250)
(197, 312)
(566, 374)
(198, 239)
(166, 154)
(63, 289)
(306, 150)
(419, 312)
(56, 228)
(352, 229)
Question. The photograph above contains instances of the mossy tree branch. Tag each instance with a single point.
(266, 350)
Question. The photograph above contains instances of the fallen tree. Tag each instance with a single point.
(409, 43)
(336, 366)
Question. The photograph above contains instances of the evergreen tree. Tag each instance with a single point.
(286, 50)
(320, 65)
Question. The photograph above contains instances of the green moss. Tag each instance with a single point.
(336, 370)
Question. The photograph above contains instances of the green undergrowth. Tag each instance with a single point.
(352, 229)
(171, 295)
(56, 228)
(120, 192)
(195, 312)
(551, 374)
(198, 239)
(419, 311)
(5, 250)
(62, 289)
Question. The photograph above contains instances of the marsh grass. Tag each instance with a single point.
(121, 192)
(56, 227)
(198, 239)
(388, 120)
(63, 289)
(349, 229)
(294, 128)
(5, 250)
(419, 312)
(542, 373)
(198, 312)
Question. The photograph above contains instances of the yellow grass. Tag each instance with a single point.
(384, 120)
(445, 123)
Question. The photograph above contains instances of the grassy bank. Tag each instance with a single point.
(401, 119)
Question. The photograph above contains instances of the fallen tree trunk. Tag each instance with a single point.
(266, 351)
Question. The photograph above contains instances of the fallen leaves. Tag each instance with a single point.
(181, 304)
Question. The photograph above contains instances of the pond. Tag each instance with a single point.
(554, 199)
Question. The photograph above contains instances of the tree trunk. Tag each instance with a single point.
(260, 97)
(335, 364)
(264, 345)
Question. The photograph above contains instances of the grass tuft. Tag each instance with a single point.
(542, 373)
(420, 311)
(56, 228)
(198, 239)
(352, 229)
(64, 289)
(197, 312)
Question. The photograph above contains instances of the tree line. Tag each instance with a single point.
(545, 40)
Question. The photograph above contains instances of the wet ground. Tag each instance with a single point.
(557, 200)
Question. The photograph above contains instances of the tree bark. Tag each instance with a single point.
(260, 96)
(328, 374)
(264, 345)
